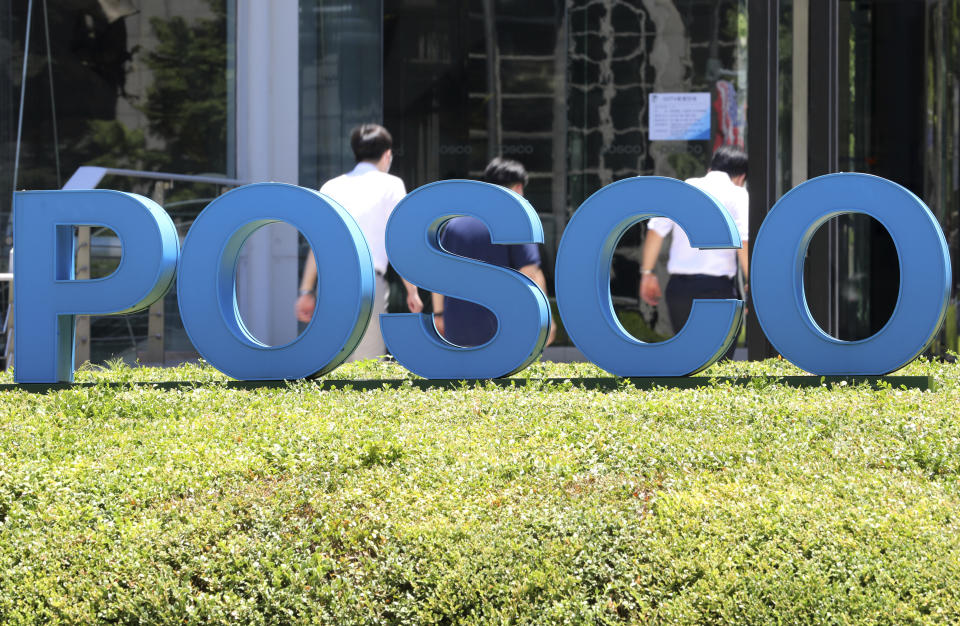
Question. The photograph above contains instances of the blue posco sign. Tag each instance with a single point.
(47, 298)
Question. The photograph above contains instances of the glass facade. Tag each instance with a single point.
(129, 84)
(897, 118)
(561, 86)
(621, 55)
(941, 139)
(121, 83)
(564, 86)
(340, 82)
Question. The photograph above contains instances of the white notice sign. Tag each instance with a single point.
(679, 116)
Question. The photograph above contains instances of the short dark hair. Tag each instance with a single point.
(505, 172)
(729, 159)
(370, 141)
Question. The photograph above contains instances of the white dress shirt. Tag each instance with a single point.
(687, 260)
(369, 195)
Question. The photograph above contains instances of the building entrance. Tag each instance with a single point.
(569, 89)
(863, 86)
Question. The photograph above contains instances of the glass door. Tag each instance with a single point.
(894, 85)
(635, 68)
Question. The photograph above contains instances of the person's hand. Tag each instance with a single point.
(304, 307)
(650, 289)
(552, 334)
(414, 303)
(438, 322)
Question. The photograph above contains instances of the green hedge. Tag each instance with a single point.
(723, 504)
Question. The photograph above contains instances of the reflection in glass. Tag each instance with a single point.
(468, 80)
(622, 52)
(942, 148)
(118, 83)
(340, 82)
(561, 86)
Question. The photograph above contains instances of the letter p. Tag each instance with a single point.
(47, 297)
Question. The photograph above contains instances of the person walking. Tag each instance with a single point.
(465, 323)
(369, 193)
(696, 273)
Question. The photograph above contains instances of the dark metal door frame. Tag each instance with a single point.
(763, 18)
(822, 137)
(823, 150)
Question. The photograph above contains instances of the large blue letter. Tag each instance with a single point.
(521, 308)
(583, 278)
(206, 283)
(777, 276)
(46, 296)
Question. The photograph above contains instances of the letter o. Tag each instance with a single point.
(206, 283)
(777, 275)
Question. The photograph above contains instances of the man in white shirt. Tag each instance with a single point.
(698, 273)
(369, 194)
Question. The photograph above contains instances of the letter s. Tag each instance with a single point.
(521, 308)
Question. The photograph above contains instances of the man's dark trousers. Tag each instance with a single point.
(683, 288)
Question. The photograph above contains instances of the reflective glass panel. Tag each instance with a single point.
(131, 84)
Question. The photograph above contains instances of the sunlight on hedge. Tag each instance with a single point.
(554, 504)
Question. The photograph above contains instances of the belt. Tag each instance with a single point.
(701, 276)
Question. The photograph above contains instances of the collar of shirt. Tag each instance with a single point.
(362, 168)
(716, 176)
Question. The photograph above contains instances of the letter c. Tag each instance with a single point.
(583, 278)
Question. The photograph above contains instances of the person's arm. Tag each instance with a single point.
(649, 283)
(414, 303)
(534, 273)
(307, 298)
(744, 263)
(437, 299)
(741, 217)
(745, 268)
